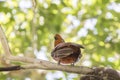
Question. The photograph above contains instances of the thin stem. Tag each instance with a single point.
(4, 42)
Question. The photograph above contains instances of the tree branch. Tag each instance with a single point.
(4, 42)
(11, 68)
(42, 64)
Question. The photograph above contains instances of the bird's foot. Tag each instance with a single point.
(72, 64)
(59, 62)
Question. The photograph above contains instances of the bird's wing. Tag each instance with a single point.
(76, 45)
(64, 52)
(68, 44)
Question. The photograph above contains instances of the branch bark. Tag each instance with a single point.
(47, 65)
(11, 68)
(102, 74)
(4, 42)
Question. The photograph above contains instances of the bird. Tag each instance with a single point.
(66, 52)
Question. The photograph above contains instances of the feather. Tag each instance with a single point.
(62, 52)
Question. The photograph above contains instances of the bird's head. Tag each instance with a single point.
(58, 39)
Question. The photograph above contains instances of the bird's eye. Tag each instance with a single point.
(55, 38)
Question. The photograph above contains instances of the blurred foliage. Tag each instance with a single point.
(30, 29)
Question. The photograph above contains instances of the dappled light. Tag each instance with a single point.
(30, 26)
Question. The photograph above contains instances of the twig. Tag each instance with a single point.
(33, 28)
(4, 42)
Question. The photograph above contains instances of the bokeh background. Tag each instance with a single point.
(30, 26)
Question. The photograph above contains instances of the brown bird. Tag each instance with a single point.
(66, 52)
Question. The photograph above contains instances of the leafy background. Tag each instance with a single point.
(30, 26)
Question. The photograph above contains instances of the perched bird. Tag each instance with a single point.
(66, 52)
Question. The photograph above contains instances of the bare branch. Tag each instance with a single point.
(11, 68)
(4, 42)
(33, 28)
(42, 64)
